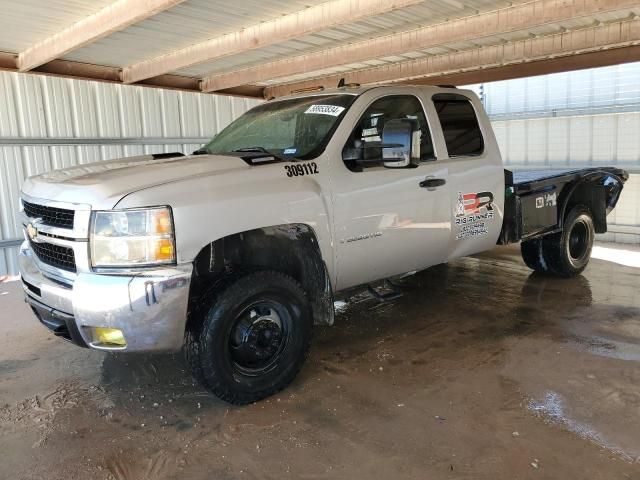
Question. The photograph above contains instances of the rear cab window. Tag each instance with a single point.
(460, 126)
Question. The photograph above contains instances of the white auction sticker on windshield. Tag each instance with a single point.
(332, 110)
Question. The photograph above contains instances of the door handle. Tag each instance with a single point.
(433, 182)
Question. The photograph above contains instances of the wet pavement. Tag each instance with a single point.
(481, 370)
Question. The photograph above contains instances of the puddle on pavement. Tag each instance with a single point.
(553, 410)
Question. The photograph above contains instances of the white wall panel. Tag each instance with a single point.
(604, 139)
(536, 141)
(33, 106)
(628, 139)
(535, 93)
(580, 136)
(517, 141)
(557, 141)
(593, 140)
(558, 92)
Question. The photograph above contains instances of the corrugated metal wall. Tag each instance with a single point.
(48, 123)
(592, 91)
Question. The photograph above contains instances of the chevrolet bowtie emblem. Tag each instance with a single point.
(32, 232)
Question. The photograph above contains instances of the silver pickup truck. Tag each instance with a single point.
(233, 253)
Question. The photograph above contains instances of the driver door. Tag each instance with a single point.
(389, 221)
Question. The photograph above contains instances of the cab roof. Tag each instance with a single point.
(360, 89)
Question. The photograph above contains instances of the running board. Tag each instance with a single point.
(391, 291)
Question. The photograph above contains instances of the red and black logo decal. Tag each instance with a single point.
(472, 203)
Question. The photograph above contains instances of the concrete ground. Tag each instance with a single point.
(481, 370)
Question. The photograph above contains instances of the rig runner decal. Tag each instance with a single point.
(473, 211)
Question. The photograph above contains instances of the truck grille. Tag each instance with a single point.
(55, 255)
(54, 217)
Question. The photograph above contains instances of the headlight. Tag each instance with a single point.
(132, 238)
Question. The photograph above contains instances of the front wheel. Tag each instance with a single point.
(249, 340)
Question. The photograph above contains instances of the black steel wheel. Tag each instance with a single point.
(258, 337)
(580, 241)
(250, 339)
(568, 252)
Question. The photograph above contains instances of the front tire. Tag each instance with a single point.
(250, 340)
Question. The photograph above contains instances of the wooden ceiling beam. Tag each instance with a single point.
(101, 73)
(601, 58)
(110, 19)
(520, 17)
(8, 61)
(287, 27)
(469, 64)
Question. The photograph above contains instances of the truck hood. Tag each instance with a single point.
(103, 184)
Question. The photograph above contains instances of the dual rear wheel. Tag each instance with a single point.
(566, 253)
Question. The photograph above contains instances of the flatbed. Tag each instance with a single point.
(536, 200)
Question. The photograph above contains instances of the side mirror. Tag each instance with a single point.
(351, 154)
(404, 136)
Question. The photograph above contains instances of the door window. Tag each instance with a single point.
(368, 131)
(459, 125)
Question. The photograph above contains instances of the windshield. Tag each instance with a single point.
(299, 128)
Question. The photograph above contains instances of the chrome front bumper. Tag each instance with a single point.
(149, 307)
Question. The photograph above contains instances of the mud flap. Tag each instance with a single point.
(325, 313)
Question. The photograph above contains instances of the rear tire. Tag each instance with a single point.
(249, 340)
(533, 255)
(568, 252)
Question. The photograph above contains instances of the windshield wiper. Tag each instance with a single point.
(259, 150)
(204, 151)
(252, 149)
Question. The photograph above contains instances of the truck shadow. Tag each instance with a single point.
(477, 299)
(142, 382)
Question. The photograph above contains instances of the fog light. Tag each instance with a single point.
(109, 336)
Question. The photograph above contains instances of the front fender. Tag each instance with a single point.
(208, 208)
